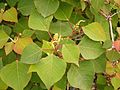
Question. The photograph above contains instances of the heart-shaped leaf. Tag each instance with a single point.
(46, 7)
(26, 6)
(10, 15)
(90, 49)
(71, 53)
(21, 44)
(62, 28)
(95, 31)
(38, 22)
(64, 11)
(3, 38)
(15, 75)
(81, 77)
(54, 66)
(31, 54)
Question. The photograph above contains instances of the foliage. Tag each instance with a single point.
(59, 44)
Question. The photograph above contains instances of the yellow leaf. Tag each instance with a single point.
(10, 15)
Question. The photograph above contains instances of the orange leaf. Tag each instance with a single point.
(21, 44)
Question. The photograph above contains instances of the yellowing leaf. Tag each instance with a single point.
(8, 47)
(10, 15)
(3, 38)
(21, 44)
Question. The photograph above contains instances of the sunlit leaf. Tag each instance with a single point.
(31, 54)
(15, 75)
(54, 66)
(90, 49)
(38, 22)
(10, 15)
(81, 77)
(21, 43)
(3, 38)
(95, 31)
(46, 7)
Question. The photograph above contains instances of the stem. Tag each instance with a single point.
(11, 39)
(115, 13)
(50, 35)
(111, 30)
(68, 86)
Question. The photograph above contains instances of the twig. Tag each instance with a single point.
(68, 86)
(115, 14)
(12, 40)
(50, 35)
(111, 30)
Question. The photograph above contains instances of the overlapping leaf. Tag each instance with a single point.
(15, 75)
(62, 28)
(31, 54)
(21, 43)
(52, 66)
(81, 77)
(64, 11)
(9, 15)
(90, 49)
(95, 31)
(3, 38)
(71, 53)
(46, 7)
(38, 22)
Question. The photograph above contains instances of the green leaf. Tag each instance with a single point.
(27, 33)
(90, 49)
(81, 77)
(62, 28)
(42, 35)
(72, 2)
(26, 6)
(21, 25)
(97, 4)
(64, 11)
(61, 84)
(12, 2)
(6, 28)
(47, 47)
(3, 38)
(113, 55)
(31, 54)
(38, 22)
(46, 7)
(3, 86)
(71, 53)
(2, 5)
(100, 64)
(95, 31)
(15, 75)
(11, 57)
(115, 82)
(54, 66)
(100, 19)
